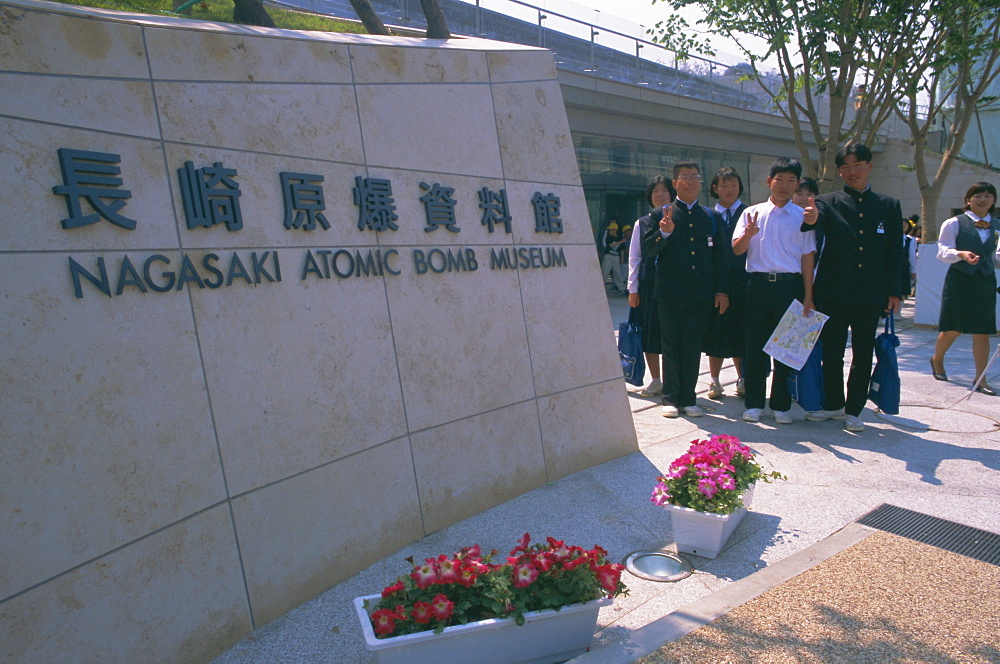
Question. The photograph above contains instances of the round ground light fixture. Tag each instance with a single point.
(658, 566)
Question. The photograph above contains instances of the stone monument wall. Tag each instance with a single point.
(272, 306)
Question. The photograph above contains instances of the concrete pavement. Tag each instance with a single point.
(939, 456)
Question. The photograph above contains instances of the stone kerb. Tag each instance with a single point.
(263, 321)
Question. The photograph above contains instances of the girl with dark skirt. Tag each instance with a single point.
(968, 303)
(642, 277)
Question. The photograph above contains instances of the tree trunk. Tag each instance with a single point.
(437, 27)
(373, 24)
(251, 12)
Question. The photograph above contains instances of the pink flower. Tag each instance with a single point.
(707, 488)
(661, 495)
(525, 575)
(442, 607)
(425, 575)
(522, 544)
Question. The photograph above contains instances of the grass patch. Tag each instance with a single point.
(221, 11)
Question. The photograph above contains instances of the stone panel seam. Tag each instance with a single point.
(197, 341)
(110, 552)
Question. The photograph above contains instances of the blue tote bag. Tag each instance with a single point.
(630, 350)
(884, 388)
(806, 384)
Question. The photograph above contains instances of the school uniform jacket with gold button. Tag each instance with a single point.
(862, 249)
(692, 263)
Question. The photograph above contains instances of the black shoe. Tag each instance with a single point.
(987, 390)
(934, 372)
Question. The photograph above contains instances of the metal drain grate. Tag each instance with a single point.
(948, 535)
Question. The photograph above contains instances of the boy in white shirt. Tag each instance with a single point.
(780, 261)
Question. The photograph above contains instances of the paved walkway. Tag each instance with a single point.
(940, 456)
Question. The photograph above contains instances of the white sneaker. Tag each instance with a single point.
(854, 423)
(714, 390)
(670, 411)
(752, 415)
(783, 417)
(693, 411)
(824, 415)
(741, 387)
(654, 389)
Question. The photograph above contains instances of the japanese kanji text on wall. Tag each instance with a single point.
(273, 306)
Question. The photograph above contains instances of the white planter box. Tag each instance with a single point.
(545, 637)
(704, 534)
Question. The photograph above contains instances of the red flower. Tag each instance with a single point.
(384, 621)
(448, 571)
(522, 544)
(525, 575)
(425, 575)
(422, 613)
(573, 563)
(442, 607)
(543, 561)
(394, 588)
(467, 577)
(608, 576)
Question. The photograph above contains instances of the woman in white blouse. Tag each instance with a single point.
(968, 303)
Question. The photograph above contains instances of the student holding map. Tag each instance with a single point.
(780, 261)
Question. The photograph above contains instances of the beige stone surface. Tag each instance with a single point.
(567, 329)
(535, 142)
(121, 106)
(307, 533)
(468, 465)
(456, 360)
(373, 64)
(238, 57)
(573, 439)
(462, 138)
(219, 115)
(509, 66)
(29, 151)
(69, 47)
(300, 374)
(106, 431)
(175, 596)
(885, 599)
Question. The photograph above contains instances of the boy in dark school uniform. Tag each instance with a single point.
(856, 282)
(691, 280)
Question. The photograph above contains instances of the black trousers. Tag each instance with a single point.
(766, 303)
(862, 320)
(682, 332)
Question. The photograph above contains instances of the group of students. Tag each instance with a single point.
(718, 280)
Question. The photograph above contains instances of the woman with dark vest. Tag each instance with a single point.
(969, 299)
(642, 278)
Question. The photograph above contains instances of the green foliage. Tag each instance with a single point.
(222, 11)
